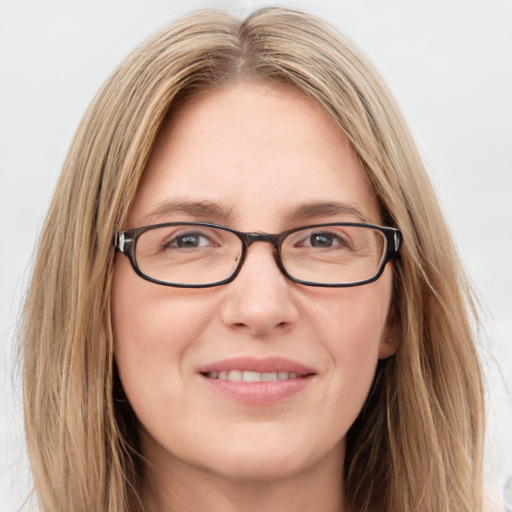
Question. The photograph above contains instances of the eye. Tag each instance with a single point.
(191, 240)
(321, 240)
(324, 240)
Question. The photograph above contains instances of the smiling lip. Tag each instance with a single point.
(257, 381)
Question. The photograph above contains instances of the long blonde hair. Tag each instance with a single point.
(417, 444)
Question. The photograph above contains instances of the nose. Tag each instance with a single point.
(260, 300)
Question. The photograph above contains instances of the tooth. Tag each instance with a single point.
(235, 375)
(251, 376)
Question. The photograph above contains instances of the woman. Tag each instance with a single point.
(204, 362)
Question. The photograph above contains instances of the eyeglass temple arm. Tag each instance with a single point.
(395, 241)
(123, 241)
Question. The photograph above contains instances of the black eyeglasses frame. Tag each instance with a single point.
(126, 241)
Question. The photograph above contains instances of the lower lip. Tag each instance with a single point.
(258, 393)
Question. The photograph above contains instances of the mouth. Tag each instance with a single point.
(255, 381)
(252, 376)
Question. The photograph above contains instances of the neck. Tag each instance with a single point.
(185, 488)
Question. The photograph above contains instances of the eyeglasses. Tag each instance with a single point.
(201, 255)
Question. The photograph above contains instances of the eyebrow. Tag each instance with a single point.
(326, 209)
(209, 209)
(193, 208)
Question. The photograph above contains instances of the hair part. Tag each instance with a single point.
(417, 444)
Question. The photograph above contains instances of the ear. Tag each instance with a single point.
(390, 338)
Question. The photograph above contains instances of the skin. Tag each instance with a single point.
(258, 151)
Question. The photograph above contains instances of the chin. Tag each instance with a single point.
(262, 457)
(250, 469)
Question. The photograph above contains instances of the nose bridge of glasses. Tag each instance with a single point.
(273, 239)
(250, 238)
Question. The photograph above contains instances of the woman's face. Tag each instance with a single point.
(253, 157)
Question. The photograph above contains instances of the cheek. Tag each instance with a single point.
(354, 328)
(155, 330)
(354, 320)
(148, 316)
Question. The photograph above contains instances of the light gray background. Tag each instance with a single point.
(448, 62)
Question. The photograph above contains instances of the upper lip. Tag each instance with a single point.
(262, 365)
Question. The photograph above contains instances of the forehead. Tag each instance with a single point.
(257, 150)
